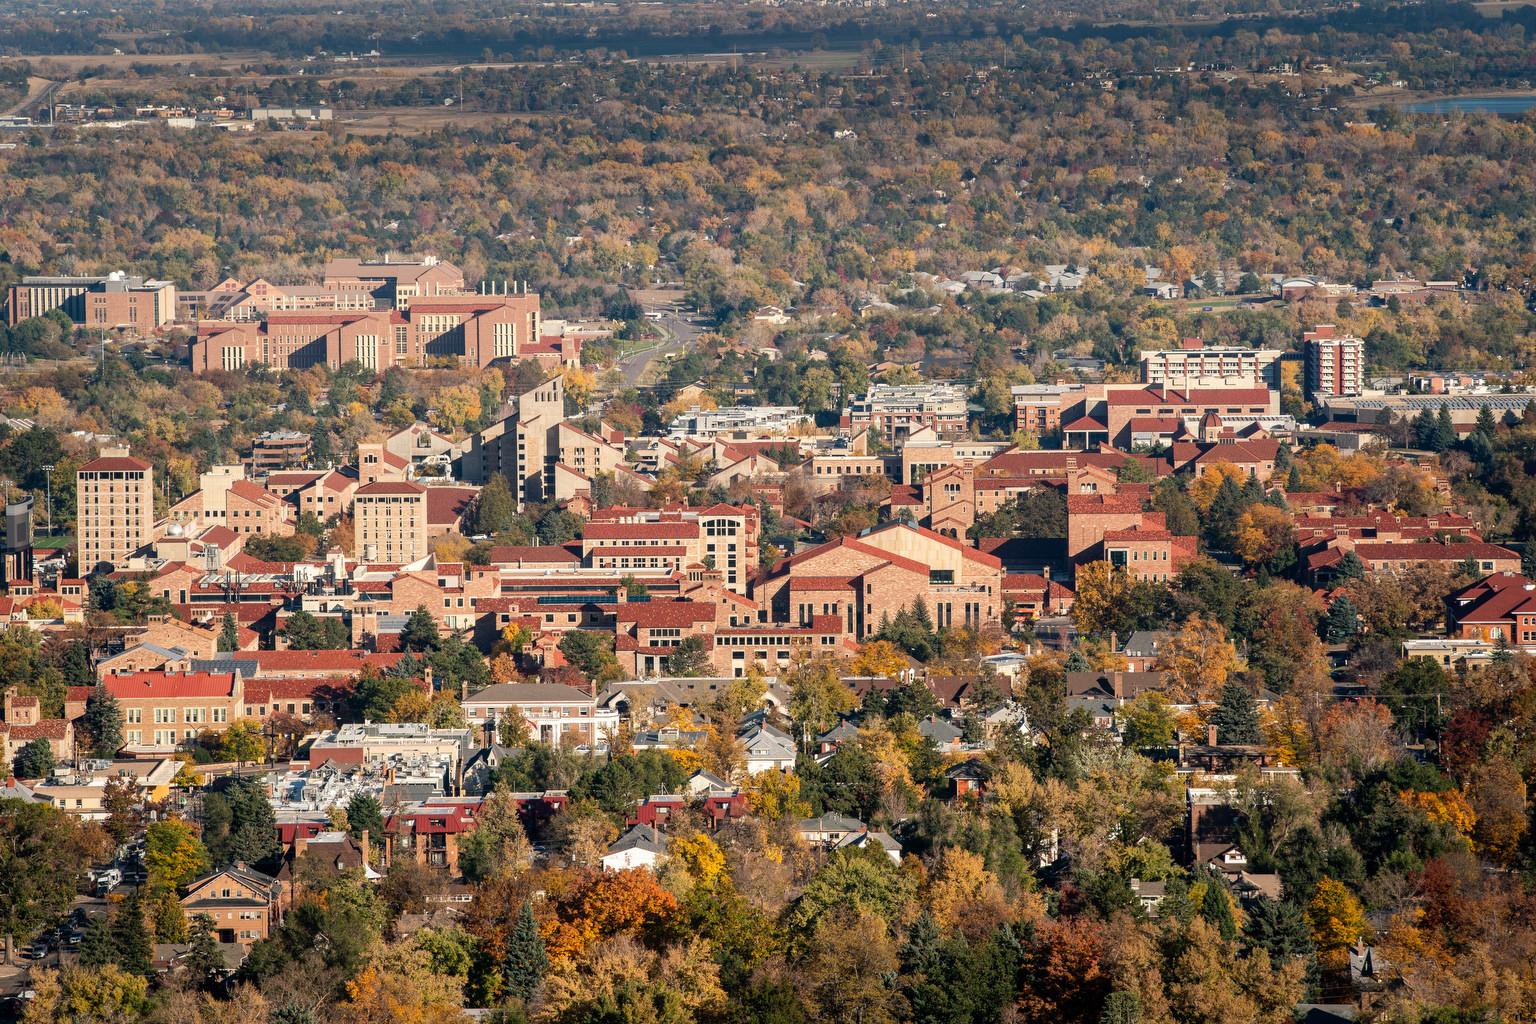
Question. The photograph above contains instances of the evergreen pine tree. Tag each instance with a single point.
(103, 722)
(420, 632)
(1445, 431)
(1283, 460)
(920, 616)
(1293, 481)
(204, 959)
(1076, 662)
(1236, 718)
(1342, 623)
(495, 508)
(135, 949)
(1424, 430)
(1221, 521)
(34, 760)
(1350, 567)
(229, 634)
(364, 813)
(1486, 424)
(1279, 927)
(525, 962)
(1253, 491)
(1216, 908)
(290, 1013)
(99, 946)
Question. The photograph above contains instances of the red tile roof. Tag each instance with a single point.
(446, 505)
(1429, 551)
(141, 685)
(46, 729)
(653, 614)
(1104, 504)
(640, 531)
(390, 487)
(114, 464)
(551, 553)
(1156, 395)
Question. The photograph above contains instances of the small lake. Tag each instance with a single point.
(1509, 105)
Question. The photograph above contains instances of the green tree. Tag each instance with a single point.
(525, 962)
(306, 632)
(1350, 567)
(420, 632)
(1236, 718)
(375, 693)
(239, 825)
(1147, 721)
(591, 654)
(34, 761)
(243, 742)
(1342, 623)
(229, 634)
(364, 814)
(1445, 436)
(173, 853)
(130, 935)
(1122, 1007)
(495, 508)
(1280, 928)
(44, 856)
(204, 960)
(688, 658)
(102, 722)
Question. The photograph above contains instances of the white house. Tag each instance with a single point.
(640, 847)
(767, 749)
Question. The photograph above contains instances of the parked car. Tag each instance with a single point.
(39, 949)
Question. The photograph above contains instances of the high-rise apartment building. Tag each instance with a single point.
(390, 518)
(1335, 362)
(115, 508)
(523, 446)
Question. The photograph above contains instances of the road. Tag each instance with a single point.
(38, 92)
(679, 334)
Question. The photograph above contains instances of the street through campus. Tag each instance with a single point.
(679, 332)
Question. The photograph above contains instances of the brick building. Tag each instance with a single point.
(392, 283)
(895, 411)
(464, 330)
(116, 300)
(391, 521)
(721, 537)
(115, 503)
(885, 570)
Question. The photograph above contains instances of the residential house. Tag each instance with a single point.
(243, 903)
(641, 846)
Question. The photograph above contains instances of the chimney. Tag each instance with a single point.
(300, 844)
(1210, 735)
(362, 842)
